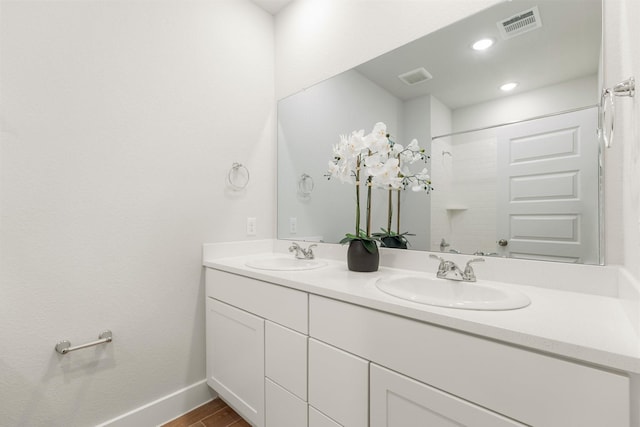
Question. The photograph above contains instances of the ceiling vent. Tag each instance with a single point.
(520, 23)
(416, 76)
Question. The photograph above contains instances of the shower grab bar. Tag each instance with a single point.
(64, 347)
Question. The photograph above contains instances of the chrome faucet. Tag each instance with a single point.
(480, 253)
(450, 270)
(302, 253)
(443, 245)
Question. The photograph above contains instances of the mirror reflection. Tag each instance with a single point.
(514, 172)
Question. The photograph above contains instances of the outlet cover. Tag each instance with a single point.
(251, 226)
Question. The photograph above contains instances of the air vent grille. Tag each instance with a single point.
(416, 76)
(520, 23)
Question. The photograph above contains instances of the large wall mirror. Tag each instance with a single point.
(515, 173)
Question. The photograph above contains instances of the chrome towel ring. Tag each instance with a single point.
(305, 185)
(606, 125)
(238, 176)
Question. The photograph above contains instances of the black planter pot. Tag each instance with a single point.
(395, 242)
(360, 259)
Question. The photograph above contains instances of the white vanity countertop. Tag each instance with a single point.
(589, 328)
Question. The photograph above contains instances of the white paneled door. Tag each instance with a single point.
(548, 187)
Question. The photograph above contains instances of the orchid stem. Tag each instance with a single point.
(368, 209)
(358, 198)
(397, 215)
(390, 211)
(398, 208)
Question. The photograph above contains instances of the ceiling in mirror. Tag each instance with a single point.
(520, 167)
(535, 58)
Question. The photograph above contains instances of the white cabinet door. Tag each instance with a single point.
(235, 359)
(318, 419)
(283, 409)
(399, 401)
(338, 384)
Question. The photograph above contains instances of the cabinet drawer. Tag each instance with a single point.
(399, 401)
(283, 409)
(531, 387)
(318, 419)
(286, 358)
(339, 384)
(279, 304)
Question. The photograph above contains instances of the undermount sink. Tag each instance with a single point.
(453, 294)
(282, 263)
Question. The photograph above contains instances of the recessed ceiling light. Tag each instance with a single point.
(508, 86)
(482, 44)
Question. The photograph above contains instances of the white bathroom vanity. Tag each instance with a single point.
(325, 347)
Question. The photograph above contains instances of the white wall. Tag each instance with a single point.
(120, 120)
(622, 190)
(622, 161)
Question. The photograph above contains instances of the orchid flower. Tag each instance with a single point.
(375, 160)
(386, 175)
(412, 153)
(377, 141)
(396, 149)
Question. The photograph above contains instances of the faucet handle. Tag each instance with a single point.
(469, 274)
(441, 266)
(436, 257)
(472, 260)
(310, 254)
(294, 247)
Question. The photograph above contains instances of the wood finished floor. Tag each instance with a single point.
(213, 414)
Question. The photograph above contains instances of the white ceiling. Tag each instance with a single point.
(566, 47)
(272, 6)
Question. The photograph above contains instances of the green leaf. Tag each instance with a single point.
(370, 246)
(348, 238)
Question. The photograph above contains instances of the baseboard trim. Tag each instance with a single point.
(166, 408)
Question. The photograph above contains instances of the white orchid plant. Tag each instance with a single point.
(420, 181)
(374, 160)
